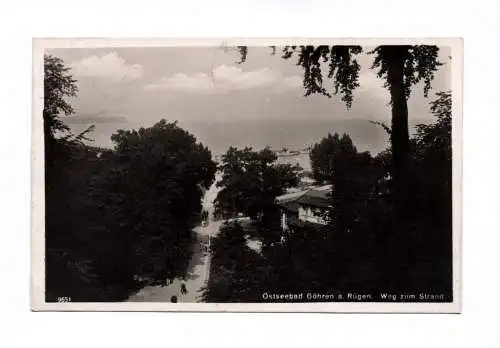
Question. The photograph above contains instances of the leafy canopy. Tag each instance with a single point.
(419, 61)
(251, 180)
(59, 87)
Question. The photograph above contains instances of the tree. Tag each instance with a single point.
(353, 175)
(322, 158)
(333, 256)
(71, 265)
(251, 181)
(116, 218)
(360, 251)
(437, 136)
(59, 87)
(152, 193)
(431, 198)
(401, 67)
(237, 273)
(420, 258)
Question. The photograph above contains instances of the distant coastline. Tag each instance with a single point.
(302, 159)
(295, 135)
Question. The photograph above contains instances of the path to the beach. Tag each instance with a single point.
(199, 267)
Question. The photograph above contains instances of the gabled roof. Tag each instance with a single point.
(292, 207)
(288, 200)
(314, 197)
(290, 196)
(314, 201)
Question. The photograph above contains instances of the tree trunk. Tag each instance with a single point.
(400, 146)
(47, 142)
(400, 141)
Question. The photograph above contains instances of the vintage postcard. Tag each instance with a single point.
(249, 175)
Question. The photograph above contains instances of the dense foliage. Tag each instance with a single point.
(390, 248)
(353, 175)
(401, 67)
(411, 232)
(251, 181)
(117, 218)
(365, 247)
(237, 273)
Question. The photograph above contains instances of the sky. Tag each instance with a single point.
(139, 86)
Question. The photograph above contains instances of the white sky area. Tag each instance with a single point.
(141, 85)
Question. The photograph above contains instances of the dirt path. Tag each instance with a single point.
(198, 269)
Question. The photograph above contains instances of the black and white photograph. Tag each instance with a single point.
(319, 175)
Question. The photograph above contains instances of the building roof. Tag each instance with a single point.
(291, 196)
(314, 197)
(288, 200)
(314, 201)
(292, 207)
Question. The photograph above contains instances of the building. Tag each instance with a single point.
(309, 205)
